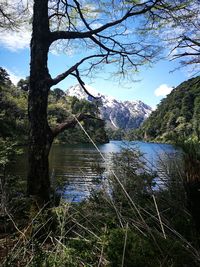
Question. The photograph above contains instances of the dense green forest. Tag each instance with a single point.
(176, 117)
(13, 109)
(14, 115)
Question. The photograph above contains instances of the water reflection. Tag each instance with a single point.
(76, 170)
(81, 168)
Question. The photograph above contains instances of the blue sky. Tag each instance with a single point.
(152, 86)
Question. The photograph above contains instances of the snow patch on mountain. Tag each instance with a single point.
(117, 114)
(77, 90)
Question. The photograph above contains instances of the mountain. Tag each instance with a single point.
(117, 114)
(177, 115)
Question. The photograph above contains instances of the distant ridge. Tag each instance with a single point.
(117, 114)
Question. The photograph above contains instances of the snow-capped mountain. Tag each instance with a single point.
(117, 114)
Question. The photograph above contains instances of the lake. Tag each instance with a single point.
(78, 169)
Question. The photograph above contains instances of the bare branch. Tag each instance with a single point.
(185, 55)
(81, 15)
(77, 75)
(71, 123)
(88, 34)
(56, 15)
(62, 76)
(195, 42)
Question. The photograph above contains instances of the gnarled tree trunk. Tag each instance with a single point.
(40, 136)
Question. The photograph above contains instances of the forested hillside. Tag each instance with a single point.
(13, 109)
(177, 116)
(14, 115)
(62, 107)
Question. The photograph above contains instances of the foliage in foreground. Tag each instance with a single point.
(128, 222)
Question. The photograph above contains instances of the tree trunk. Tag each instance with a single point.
(40, 136)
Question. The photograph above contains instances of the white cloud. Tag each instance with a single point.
(96, 25)
(15, 40)
(21, 12)
(163, 90)
(13, 76)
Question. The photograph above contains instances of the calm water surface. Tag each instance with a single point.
(80, 168)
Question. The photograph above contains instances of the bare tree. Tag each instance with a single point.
(178, 30)
(104, 31)
(187, 39)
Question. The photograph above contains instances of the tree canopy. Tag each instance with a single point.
(13, 14)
